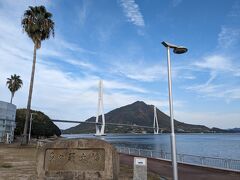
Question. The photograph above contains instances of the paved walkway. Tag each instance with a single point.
(185, 172)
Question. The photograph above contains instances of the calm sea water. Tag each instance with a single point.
(210, 145)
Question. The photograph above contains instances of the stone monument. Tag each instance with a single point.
(140, 168)
(77, 159)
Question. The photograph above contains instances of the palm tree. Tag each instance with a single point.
(38, 25)
(14, 83)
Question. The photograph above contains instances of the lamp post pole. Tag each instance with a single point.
(173, 140)
(177, 50)
(30, 127)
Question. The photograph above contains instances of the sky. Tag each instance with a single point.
(119, 41)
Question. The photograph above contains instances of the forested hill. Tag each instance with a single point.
(137, 113)
(42, 126)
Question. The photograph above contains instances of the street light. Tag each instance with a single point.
(176, 50)
(30, 127)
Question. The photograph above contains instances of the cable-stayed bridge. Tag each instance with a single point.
(113, 124)
(100, 125)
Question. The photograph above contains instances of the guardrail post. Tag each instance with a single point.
(139, 152)
(129, 151)
(227, 163)
(151, 154)
(161, 154)
(202, 160)
(181, 157)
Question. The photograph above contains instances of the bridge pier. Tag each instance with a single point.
(100, 128)
(155, 122)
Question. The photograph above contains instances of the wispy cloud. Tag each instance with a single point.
(176, 2)
(189, 76)
(140, 72)
(132, 12)
(223, 91)
(81, 64)
(123, 86)
(235, 11)
(145, 72)
(228, 37)
(215, 62)
(72, 47)
(206, 87)
(67, 71)
(57, 92)
(62, 95)
(209, 89)
(82, 11)
(218, 63)
(219, 67)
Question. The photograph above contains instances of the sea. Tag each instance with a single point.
(225, 146)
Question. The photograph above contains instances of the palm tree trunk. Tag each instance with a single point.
(25, 139)
(12, 94)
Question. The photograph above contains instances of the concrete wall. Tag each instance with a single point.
(7, 120)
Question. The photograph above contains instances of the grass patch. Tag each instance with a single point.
(6, 166)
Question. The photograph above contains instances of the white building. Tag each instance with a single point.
(7, 121)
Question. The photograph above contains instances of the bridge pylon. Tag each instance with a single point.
(155, 122)
(100, 127)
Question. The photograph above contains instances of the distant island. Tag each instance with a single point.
(139, 113)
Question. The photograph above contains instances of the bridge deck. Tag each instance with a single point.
(99, 123)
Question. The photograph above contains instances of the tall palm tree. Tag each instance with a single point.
(38, 25)
(14, 83)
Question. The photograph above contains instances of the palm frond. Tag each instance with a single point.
(14, 83)
(37, 23)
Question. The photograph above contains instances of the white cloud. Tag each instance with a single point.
(235, 11)
(65, 95)
(140, 71)
(176, 2)
(145, 72)
(210, 90)
(83, 12)
(132, 12)
(58, 93)
(81, 64)
(215, 62)
(217, 66)
(123, 86)
(62, 96)
(190, 77)
(211, 119)
(228, 37)
(61, 43)
(219, 63)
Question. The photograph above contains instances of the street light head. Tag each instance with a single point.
(176, 49)
(167, 44)
(180, 50)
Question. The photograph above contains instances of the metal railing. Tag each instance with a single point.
(232, 164)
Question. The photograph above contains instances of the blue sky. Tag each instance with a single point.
(119, 41)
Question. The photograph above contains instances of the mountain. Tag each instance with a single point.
(137, 113)
(234, 130)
